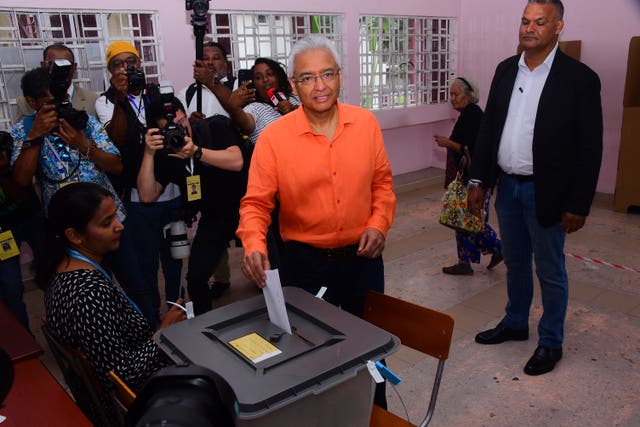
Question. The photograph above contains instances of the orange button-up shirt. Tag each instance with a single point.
(329, 191)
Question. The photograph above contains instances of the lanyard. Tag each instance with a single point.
(77, 255)
(138, 107)
(189, 167)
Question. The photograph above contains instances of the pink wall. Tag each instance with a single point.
(488, 34)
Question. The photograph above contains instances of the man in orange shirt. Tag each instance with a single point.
(327, 164)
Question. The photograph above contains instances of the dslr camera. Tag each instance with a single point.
(173, 132)
(135, 78)
(59, 81)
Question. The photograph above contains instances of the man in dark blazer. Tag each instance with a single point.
(541, 142)
(81, 98)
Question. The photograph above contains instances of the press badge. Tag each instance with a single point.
(8, 246)
(194, 190)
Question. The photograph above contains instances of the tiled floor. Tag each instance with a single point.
(596, 384)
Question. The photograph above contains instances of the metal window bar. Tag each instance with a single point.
(405, 61)
(24, 33)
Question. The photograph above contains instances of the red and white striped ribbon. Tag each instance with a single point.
(597, 261)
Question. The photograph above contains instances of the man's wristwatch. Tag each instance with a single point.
(35, 142)
(474, 183)
(198, 153)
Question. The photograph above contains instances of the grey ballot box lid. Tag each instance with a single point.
(327, 346)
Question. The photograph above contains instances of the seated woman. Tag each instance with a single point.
(85, 308)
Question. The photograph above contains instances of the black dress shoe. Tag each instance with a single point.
(544, 359)
(459, 269)
(500, 334)
(496, 259)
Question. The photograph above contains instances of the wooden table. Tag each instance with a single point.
(36, 399)
(15, 339)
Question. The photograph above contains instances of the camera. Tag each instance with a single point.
(199, 7)
(173, 133)
(59, 81)
(135, 78)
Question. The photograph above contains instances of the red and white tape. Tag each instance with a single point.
(597, 261)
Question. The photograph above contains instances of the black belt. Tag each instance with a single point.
(343, 252)
(519, 178)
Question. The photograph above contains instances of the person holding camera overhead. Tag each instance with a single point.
(212, 73)
(216, 163)
(123, 110)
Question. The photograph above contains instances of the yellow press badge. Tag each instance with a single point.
(8, 246)
(194, 190)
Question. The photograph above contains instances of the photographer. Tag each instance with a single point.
(218, 162)
(81, 98)
(212, 72)
(124, 111)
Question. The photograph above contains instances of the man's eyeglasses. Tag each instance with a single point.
(117, 63)
(309, 79)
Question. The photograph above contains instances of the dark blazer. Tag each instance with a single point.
(567, 137)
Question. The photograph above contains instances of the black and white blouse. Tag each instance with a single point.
(85, 311)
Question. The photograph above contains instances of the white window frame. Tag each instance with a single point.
(88, 44)
(406, 61)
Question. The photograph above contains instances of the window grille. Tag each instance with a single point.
(24, 33)
(406, 61)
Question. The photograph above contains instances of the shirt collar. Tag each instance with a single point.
(303, 126)
(547, 62)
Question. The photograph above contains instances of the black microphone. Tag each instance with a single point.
(275, 96)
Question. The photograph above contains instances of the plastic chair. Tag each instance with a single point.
(123, 394)
(80, 379)
(420, 328)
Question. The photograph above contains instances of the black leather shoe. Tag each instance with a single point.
(544, 359)
(459, 269)
(500, 334)
(496, 259)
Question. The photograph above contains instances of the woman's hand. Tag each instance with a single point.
(153, 141)
(174, 315)
(242, 96)
(285, 107)
(441, 140)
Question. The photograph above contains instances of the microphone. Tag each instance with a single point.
(275, 96)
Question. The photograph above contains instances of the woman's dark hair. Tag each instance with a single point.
(72, 206)
(283, 81)
(35, 83)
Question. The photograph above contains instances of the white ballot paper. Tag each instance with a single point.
(275, 301)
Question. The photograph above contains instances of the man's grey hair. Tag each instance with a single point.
(556, 3)
(312, 41)
(468, 87)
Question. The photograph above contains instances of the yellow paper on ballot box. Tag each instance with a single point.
(254, 347)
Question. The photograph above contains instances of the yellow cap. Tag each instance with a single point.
(118, 47)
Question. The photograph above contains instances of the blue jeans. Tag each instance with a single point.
(522, 238)
(11, 286)
(146, 222)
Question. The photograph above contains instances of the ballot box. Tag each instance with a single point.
(316, 376)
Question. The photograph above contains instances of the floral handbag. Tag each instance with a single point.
(455, 213)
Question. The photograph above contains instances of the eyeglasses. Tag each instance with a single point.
(117, 63)
(309, 79)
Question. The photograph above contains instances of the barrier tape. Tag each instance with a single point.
(597, 261)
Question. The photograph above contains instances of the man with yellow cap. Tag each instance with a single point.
(123, 110)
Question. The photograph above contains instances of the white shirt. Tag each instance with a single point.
(210, 103)
(515, 153)
(104, 110)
